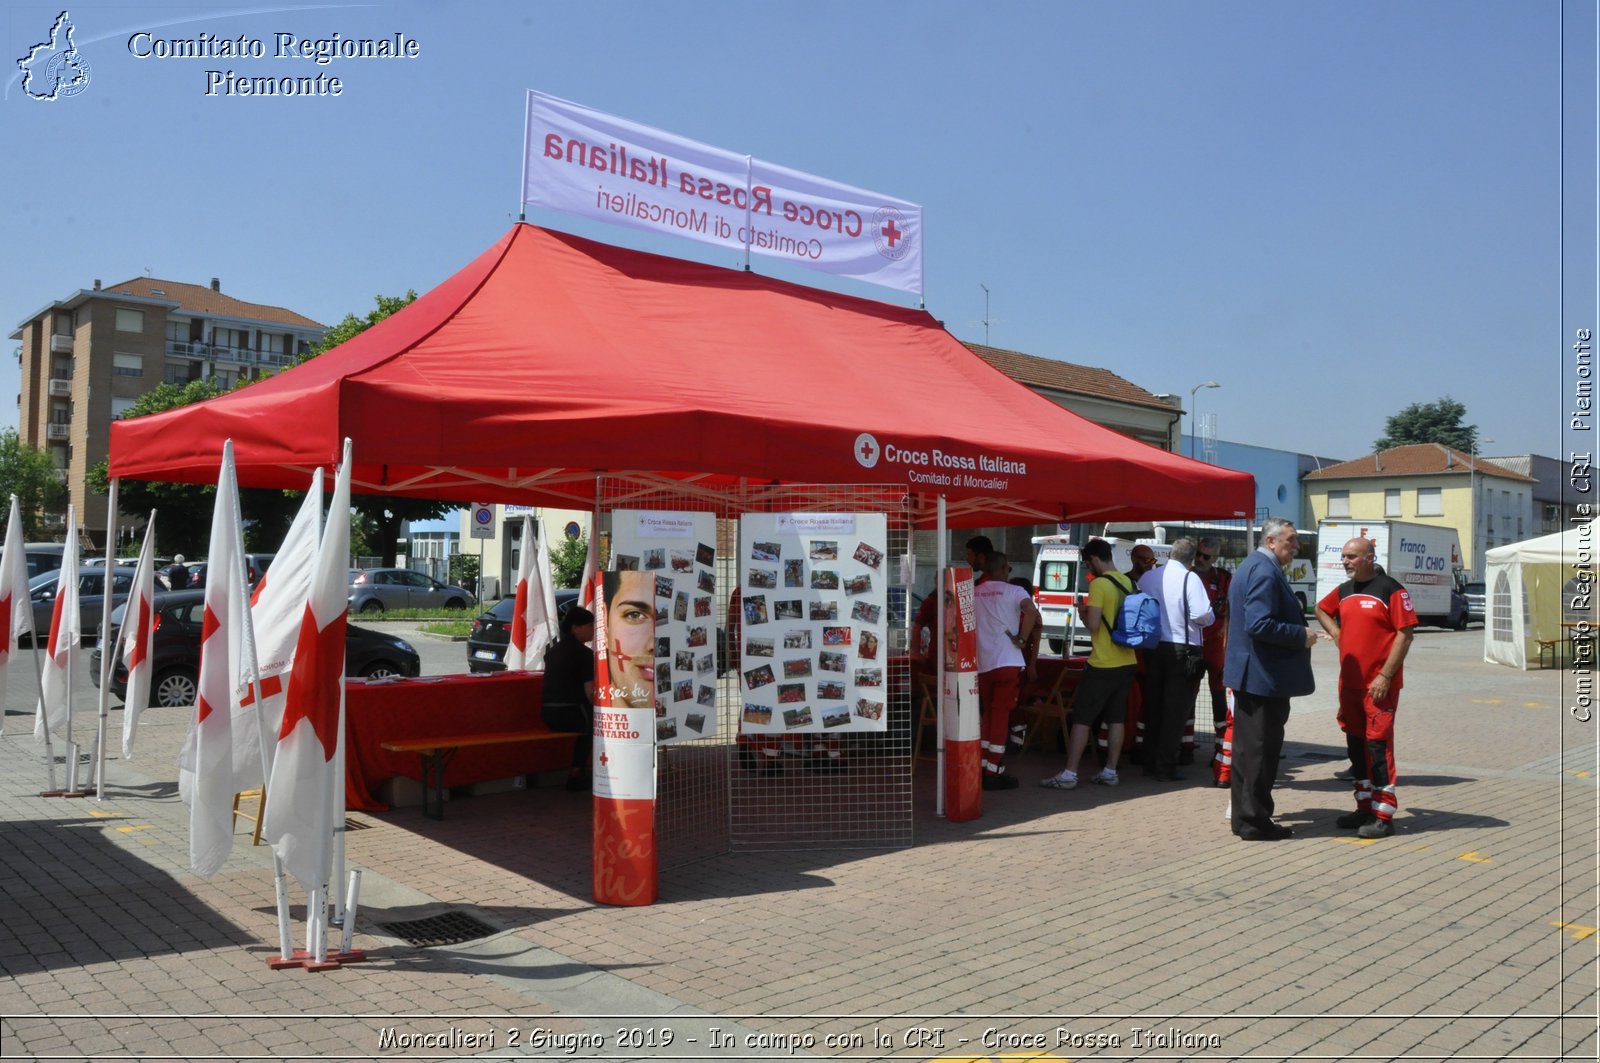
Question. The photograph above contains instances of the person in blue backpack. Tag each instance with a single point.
(1102, 695)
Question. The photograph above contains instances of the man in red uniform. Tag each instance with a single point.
(1370, 617)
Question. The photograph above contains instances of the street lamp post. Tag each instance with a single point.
(1472, 502)
(1194, 415)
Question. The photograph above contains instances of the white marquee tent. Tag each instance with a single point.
(1531, 588)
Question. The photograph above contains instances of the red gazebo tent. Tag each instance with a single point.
(551, 360)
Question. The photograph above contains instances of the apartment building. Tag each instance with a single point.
(86, 358)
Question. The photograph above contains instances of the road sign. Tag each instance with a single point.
(483, 520)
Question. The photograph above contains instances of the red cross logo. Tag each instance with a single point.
(604, 759)
(891, 233)
(866, 450)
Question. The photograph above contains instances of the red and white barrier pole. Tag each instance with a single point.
(625, 864)
(963, 779)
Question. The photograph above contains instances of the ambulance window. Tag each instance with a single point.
(1056, 576)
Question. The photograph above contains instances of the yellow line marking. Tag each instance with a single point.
(1475, 858)
(131, 830)
(103, 814)
(1579, 774)
(1579, 931)
(1534, 705)
(1357, 841)
(1486, 701)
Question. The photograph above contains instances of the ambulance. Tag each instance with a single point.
(1061, 584)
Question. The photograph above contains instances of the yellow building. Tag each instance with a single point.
(1429, 483)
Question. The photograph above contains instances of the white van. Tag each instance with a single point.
(1061, 584)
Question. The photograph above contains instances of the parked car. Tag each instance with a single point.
(42, 557)
(91, 598)
(491, 632)
(1473, 593)
(373, 590)
(175, 652)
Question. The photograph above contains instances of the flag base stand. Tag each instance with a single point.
(305, 960)
(65, 793)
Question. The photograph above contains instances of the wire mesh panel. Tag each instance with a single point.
(796, 791)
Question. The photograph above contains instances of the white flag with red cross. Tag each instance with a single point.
(276, 609)
(212, 783)
(533, 623)
(138, 631)
(16, 609)
(65, 633)
(301, 794)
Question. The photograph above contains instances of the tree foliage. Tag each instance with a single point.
(566, 561)
(1429, 422)
(27, 472)
(353, 326)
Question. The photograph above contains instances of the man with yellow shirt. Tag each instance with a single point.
(1102, 695)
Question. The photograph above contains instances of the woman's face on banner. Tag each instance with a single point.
(631, 634)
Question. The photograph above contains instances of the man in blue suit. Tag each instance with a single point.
(1268, 662)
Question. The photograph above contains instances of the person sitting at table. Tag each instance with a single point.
(568, 693)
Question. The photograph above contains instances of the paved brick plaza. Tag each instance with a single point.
(1089, 924)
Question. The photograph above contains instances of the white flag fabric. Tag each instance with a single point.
(301, 794)
(533, 623)
(591, 565)
(138, 630)
(16, 609)
(276, 609)
(212, 784)
(66, 632)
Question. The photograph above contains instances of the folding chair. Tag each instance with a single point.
(259, 795)
(1055, 707)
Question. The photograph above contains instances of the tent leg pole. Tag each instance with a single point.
(941, 560)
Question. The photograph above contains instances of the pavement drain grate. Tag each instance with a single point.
(355, 824)
(451, 928)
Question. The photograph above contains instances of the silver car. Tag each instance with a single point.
(374, 590)
(91, 598)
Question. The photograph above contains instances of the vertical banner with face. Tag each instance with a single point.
(678, 551)
(624, 739)
(963, 757)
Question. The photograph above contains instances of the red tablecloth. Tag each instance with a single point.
(432, 706)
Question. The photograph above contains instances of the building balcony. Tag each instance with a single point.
(61, 432)
(216, 353)
(60, 344)
(60, 389)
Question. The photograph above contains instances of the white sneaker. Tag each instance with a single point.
(1227, 813)
(1107, 777)
(1067, 780)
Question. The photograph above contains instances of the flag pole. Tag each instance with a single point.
(107, 598)
(38, 680)
(77, 574)
(341, 910)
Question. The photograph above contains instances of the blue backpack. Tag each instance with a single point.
(1138, 620)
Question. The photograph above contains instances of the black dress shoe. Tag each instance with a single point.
(1277, 833)
(1354, 820)
(999, 781)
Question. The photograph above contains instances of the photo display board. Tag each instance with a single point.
(813, 653)
(679, 550)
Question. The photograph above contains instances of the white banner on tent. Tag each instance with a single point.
(585, 162)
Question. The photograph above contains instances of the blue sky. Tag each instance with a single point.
(1333, 209)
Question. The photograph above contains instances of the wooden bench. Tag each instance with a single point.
(437, 753)
(1548, 648)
